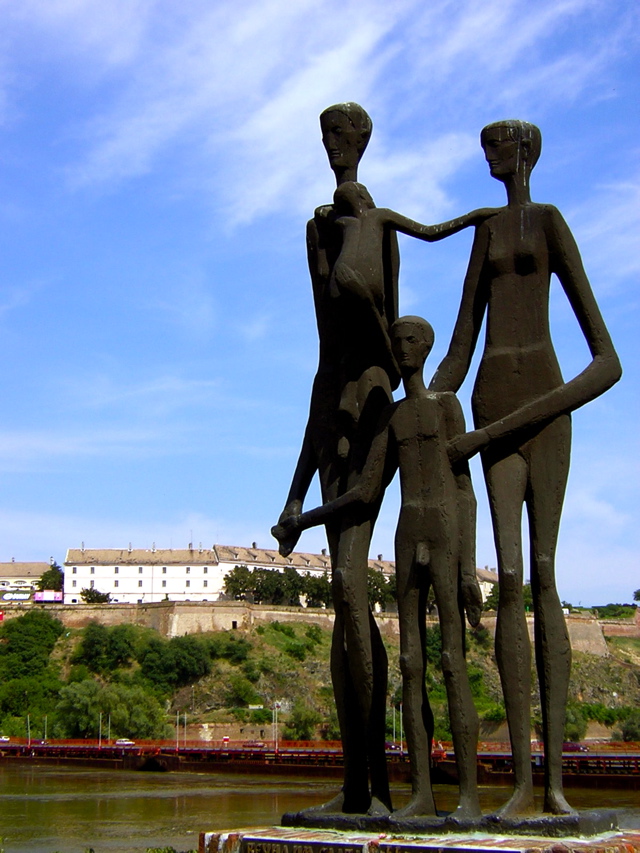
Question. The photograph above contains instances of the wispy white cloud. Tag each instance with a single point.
(413, 180)
(608, 230)
(188, 302)
(24, 449)
(50, 534)
(152, 398)
(108, 33)
(13, 296)
(256, 328)
(246, 89)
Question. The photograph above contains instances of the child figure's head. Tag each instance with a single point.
(411, 339)
(352, 199)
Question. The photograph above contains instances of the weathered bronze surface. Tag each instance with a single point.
(356, 438)
(353, 384)
(435, 547)
(521, 407)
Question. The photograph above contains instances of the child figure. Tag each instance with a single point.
(435, 547)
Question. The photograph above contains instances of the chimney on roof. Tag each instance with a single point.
(82, 547)
(191, 546)
(254, 544)
(13, 559)
(380, 557)
(200, 547)
(130, 548)
(324, 552)
(153, 547)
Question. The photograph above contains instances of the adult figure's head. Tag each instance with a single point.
(346, 130)
(412, 340)
(512, 148)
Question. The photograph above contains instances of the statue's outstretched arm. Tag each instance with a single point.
(433, 233)
(370, 485)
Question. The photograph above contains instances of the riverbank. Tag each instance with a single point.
(47, 809)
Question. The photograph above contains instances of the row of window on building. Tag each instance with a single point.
(116, 570)
(116, 583)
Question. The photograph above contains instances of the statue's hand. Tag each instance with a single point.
(287, 531)
(467, 445)
(472, 600)
(294, 507)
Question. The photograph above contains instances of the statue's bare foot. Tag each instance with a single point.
(555, 803)
(420, 805)
(466, 811)
(521, 804)
(333, 806)
(377, 808)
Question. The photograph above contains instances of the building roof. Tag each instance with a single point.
(23, 570)
(487, 576)
(206, 557)
(234, 554)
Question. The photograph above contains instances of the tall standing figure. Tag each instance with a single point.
(521, 407)
(353, 384)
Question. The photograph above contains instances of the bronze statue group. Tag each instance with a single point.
(357, 438)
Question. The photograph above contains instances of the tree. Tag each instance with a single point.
(35, 695)
(105, 649)
(433, 645)
(26, 643)
(92, 649)
(631, 727)
(302, 722)
(134, 713)
(239, 583)
(174, 663)
(575, 726)
(53, 578)
(377, 588)
(636, 595)
(317, 590)
(94, 596)
(493, 599)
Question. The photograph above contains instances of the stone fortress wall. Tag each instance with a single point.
(173, 619)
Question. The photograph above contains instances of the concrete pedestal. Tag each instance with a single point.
(297, 840)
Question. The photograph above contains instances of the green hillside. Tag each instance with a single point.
(141, 681)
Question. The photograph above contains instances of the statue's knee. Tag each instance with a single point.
(447, 664)
(510, 584)
(545, 575)
(410, 667)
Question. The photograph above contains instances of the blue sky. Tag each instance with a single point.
(158, 164)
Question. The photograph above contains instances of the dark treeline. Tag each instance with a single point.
(289, 587)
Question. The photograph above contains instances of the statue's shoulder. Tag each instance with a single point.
(547, 211)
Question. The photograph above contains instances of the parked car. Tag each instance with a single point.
(574, 747)
(124, 741)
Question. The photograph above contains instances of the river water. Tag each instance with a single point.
(68, 810)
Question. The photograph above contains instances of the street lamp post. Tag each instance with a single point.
(276, 708)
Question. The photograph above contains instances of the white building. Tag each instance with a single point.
(18, 580)
(192, 574)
